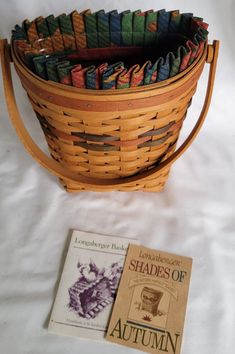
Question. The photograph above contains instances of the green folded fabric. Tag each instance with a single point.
(138, 28)
(42, 27)
(64, 72)
(126, 25)
(39, 64)
(151, 25)
(175, 61)
(51, 69)
(53, 24)
(66, 24)
(91, 30)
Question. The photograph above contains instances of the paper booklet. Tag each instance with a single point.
(88, 285)
(150, 307)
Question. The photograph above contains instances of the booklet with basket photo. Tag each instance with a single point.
(150, 307)
(88, 285)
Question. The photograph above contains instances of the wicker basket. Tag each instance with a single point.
(124, 158)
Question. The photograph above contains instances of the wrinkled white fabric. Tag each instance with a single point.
(194, 216)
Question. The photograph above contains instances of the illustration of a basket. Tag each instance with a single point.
(104, 140)
(150, 300)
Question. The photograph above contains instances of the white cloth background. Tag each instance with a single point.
(194, 216)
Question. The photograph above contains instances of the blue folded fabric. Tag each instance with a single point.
(163, 21)
(163, 68)
(115, 27)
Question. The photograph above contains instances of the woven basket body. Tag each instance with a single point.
(109, 139)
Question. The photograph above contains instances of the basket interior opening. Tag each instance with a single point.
(93, 56)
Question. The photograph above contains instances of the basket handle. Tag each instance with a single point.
(56, 169)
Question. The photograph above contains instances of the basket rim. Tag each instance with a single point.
(72, 91)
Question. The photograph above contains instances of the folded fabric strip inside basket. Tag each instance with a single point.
(110, 50)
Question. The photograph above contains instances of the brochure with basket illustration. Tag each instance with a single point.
(150, 307)
(88, 285)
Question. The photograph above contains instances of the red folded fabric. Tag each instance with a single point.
(79, 76)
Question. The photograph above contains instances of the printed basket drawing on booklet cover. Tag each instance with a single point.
(149, 305)
(150, 300)
(94, 290)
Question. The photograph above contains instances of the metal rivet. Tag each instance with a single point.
(89, 105)
(130, 104)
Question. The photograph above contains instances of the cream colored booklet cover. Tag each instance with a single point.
(150, 307)
(88, 285)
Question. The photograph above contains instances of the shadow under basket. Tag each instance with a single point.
(104, 140)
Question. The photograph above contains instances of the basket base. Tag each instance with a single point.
(150, 184)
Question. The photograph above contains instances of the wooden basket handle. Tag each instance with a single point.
(56, 169)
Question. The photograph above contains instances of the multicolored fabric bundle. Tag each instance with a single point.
(80, 49)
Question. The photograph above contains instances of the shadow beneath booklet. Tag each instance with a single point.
(56, 286)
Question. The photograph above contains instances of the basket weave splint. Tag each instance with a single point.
(136, 129)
